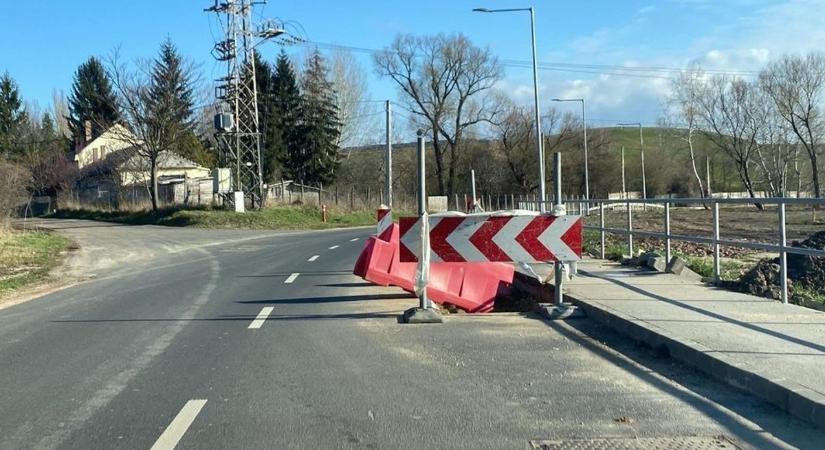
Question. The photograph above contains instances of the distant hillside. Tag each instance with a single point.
(667, 162)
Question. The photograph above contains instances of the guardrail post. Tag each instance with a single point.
(783, 255)
(717, 269)
(601, 227)
(629, 230)
(667, 232)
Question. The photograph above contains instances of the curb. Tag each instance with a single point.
(791, 397)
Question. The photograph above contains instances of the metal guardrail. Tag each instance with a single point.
(714, 240)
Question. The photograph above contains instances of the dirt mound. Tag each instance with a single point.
(763, 280)
(809, 271)
(806, 271)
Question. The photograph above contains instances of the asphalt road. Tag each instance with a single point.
(208, 339)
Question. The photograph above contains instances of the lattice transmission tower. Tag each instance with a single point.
(237, 130)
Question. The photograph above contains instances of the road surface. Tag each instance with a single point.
(248, 339)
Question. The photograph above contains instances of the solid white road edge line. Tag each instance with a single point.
(313, 258)
(261, 318)
(334, 247)
(174, 432)
(291, 278)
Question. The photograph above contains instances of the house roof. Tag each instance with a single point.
(166, 160)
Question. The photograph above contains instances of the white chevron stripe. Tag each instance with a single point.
(460, 239)
(551, 238)
(384, 223)
(506, 238)
(412, 238)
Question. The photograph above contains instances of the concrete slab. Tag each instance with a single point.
(772, 350)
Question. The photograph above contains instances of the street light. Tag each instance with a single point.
(539, 144)
(642, 143)
(586, 171)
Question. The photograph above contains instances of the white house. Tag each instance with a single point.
(94, 150)
(114, 148)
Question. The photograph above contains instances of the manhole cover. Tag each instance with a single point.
(652, 443)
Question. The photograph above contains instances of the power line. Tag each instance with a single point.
(659, 72)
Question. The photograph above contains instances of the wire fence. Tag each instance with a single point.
(775, 243)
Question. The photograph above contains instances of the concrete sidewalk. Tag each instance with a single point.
(774, 351)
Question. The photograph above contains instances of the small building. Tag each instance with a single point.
(113, 171)
(96, 149)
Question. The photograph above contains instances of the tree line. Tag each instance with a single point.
(761, 134)
(156, 103)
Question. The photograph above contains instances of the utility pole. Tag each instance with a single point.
(707, 175)
(642, 143)
(624, 186)
(586, 159)
(473, 189)
(388, 157)
(237, 128)
(539, 135)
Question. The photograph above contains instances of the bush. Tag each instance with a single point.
(14, 180)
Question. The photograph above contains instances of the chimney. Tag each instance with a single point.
(87, 128)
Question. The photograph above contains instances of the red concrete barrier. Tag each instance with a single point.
(374, 262)
(472, 287)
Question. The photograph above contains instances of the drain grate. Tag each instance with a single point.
(651, 443)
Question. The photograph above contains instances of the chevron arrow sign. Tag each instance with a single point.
(494, 238)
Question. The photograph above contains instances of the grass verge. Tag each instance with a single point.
(27, 257)
(276, 217)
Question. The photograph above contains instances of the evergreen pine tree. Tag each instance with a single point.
(320, 126)
(12, 113)
(92, 99)
(267, 117)
(287, 99)
(169, 100)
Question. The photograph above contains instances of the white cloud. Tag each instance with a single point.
(741, 39)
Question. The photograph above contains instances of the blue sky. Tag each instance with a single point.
(45, 40)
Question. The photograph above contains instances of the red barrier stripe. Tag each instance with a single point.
(438, 239)
(529, 238)
(483, 239)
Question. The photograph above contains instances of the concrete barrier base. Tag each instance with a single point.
(564, 311)
(421, 315)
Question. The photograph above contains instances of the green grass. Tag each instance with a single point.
(278, 217)
(26, 257)
(613, 250)
(808, 297)
(729, 270)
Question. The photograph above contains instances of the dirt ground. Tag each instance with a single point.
(735, 222)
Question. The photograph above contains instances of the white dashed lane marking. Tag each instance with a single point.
(353, 239)
(291, 278)
(334, 247)
(313, 258)
(175, 431)
(261, 318)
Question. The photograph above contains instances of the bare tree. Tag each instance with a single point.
(154, 122)
(774, 150)
(60, 112)
(796, 85)
(441, 76)
(514, 133)
(355, 109)
(685, 98)
(728, 112)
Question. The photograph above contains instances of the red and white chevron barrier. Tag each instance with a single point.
(384, 226)
(495, 238)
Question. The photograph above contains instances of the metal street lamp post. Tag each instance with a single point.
(642, 143)
(586, 169)
(539, 143)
